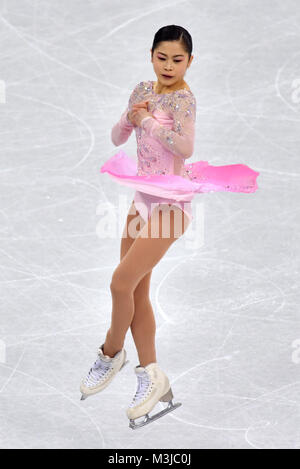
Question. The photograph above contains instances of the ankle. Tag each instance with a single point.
(145, 363)
(109, 352)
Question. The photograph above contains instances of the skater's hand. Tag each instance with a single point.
(138, 112)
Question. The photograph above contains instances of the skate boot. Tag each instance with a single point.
(153, 386)
(102, 372)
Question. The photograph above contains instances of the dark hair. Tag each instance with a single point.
(173, 32)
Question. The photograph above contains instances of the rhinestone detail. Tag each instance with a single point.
(153, 157)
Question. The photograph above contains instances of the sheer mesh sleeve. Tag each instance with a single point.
(122, 130)
(179, 140)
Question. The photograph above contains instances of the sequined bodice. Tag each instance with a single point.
(163, 143)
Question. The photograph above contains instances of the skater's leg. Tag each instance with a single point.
(144, 253)
(127, 240)
(143, 325)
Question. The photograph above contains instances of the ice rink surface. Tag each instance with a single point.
(225, 295)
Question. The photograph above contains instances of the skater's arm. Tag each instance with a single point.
(122, 130)
(180, 140)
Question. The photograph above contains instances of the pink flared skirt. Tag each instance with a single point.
(152, 189)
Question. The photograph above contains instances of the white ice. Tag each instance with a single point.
(226, 294)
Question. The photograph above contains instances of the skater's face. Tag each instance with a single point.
(169, 58)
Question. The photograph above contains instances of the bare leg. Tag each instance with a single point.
(143, 254)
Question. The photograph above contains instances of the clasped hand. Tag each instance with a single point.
(138, 112)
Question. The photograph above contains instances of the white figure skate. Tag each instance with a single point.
(102, 372)
(153, 386)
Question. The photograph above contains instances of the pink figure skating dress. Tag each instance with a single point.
(164, 142)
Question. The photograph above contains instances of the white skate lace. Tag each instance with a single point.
(97, 372)
(143, 386)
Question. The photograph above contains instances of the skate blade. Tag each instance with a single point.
(85, 396)
(148, 419)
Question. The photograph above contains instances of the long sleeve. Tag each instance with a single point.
(180, 140)
(122, 130)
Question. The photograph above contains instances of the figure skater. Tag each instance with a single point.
(163, 114)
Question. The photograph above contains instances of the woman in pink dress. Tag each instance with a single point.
(163, 114)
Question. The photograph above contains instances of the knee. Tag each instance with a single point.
(119, 284)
